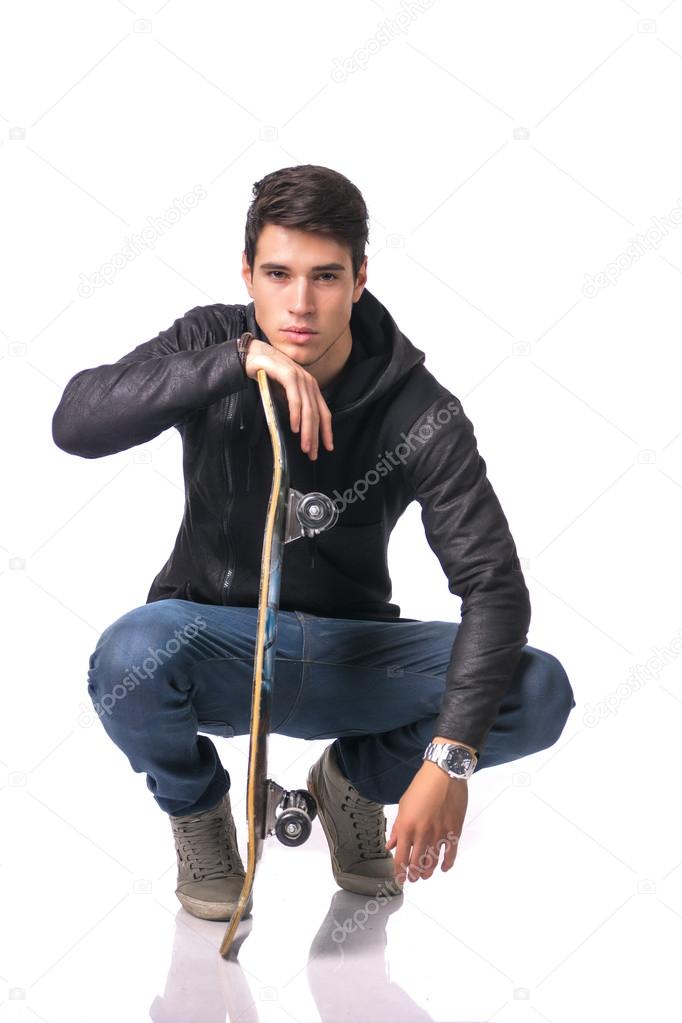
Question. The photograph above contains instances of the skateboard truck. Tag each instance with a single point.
(308, 514)
(297, 813)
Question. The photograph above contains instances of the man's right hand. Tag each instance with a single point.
(307, 407)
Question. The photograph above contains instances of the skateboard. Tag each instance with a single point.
(270, 808)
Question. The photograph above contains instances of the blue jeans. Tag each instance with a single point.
(166, 671)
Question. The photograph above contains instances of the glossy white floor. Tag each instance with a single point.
(552, 897)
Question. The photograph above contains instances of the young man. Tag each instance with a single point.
(410, 704)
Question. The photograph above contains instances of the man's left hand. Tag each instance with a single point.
(430, 817)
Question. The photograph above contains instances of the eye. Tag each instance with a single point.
(327, 273)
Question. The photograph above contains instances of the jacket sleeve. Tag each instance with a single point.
(467, 530)
(113, 407)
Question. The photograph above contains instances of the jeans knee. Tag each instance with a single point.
(133, 652)
(554, 693)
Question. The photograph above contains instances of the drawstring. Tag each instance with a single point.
(313, 539)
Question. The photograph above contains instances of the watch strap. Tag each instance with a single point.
(434, 752)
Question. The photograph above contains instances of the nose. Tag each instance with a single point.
(300, 300)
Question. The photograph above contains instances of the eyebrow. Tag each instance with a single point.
(282, 266)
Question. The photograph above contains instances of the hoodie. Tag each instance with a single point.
(399, 436)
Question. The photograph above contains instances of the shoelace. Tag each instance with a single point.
(369, 822)
(203, 846)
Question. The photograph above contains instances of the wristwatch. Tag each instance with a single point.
(243, 347)
(456, 760)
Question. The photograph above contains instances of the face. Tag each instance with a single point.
(302, 279)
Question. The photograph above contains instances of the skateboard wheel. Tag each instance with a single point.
(292, 827)
(306, 801)
(316, 511)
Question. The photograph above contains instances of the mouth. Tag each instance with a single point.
(299, 335)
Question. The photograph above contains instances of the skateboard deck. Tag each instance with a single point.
(290, 515)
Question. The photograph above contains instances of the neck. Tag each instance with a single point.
(327, 368)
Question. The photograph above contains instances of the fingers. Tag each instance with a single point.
(311, 419)
(424, 859)
(402, 858)
(295, 402)
(417, 857)
(309, 413)
(450, 851)
(421, 861)
(326, 421)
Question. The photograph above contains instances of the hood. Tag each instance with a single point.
(381, 355)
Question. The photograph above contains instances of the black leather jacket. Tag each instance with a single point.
(399, 435)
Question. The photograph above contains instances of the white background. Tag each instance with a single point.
(505, 151)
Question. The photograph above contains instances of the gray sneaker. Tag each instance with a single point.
(355, 829)
(210, 869)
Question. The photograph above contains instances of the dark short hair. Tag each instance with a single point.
(309, 198)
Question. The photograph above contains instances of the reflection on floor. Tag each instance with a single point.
(538, 894)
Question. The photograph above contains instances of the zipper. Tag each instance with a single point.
(230, 571)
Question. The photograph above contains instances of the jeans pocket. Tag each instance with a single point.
(216, 728)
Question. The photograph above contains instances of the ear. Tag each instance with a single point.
(361, 280)
(247, 275)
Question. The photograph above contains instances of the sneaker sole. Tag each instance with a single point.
(212, 910)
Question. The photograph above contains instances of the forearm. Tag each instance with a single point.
(467, 529)
(189, 366)
(114, 407)
(485, 655)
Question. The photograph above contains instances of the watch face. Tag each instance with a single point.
(458, 759)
